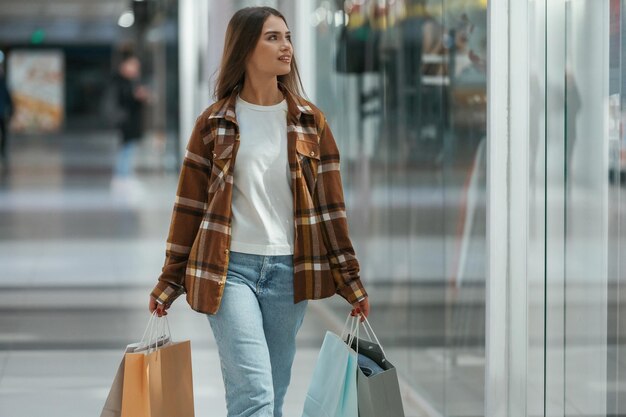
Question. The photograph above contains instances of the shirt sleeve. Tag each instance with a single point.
(330, 201)
(189, 207)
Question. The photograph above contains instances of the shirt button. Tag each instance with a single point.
(312, 153)
(214, 155)
(226, 251)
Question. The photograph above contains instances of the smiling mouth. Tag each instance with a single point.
(285, 60)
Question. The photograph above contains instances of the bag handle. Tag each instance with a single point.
(154, 329)
(344, 327)
(148, 327)
(354, 331)
(376, 338)
(159, 332)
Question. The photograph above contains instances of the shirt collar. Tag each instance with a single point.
(295, 106)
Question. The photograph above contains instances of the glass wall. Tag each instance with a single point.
(576, 171)
(616, 219)
(592, 190)
(403, 85)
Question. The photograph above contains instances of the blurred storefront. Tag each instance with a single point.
(61, 59)
(405, 85)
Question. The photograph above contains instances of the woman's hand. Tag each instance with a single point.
(362, 308)
(160, 308)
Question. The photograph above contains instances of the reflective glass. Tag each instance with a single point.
(577, 177)
(404, 87)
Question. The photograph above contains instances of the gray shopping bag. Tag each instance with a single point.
(377, 384)
(113, 405)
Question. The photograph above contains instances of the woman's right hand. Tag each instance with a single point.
(160, 308)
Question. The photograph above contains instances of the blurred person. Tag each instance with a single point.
(131, 97)
(6, 112)
(250, 246)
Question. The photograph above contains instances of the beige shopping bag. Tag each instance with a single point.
(113, 404)
(158, 383)
(174, 389)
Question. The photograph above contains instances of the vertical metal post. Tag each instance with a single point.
(496, 368)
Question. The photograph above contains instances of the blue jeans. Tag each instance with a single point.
(124, 159)
(255, 329)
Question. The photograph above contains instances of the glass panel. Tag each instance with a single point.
(616, 367)
(616, 396)
(536, 209)
(576, 148)
(586, 208)
(554, 207)
(404, 89)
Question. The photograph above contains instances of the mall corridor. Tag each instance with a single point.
(483, 168)
(78, 262)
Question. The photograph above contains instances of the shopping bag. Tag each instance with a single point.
(113, 404)
(377, 379)
(332, 391)
(154, 377)
(158, 383)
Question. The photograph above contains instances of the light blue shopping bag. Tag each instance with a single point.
(333, 391)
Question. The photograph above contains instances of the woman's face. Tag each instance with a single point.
(273, 52)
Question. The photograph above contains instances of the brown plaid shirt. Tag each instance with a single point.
(198, 243)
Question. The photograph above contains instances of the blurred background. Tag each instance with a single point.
(97, 101)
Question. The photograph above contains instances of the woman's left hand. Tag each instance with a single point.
(362, 308)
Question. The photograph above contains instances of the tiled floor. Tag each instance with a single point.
(78, 262)
(74, 382)
(60, 357)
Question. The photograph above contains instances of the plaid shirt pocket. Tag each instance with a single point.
(309, 158)
(222, 161)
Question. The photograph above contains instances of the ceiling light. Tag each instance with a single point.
(127, 19)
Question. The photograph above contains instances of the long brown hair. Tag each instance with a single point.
(242, 35)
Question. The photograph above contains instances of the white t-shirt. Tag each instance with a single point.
(262, 204)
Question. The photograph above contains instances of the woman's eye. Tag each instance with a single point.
(275, 37)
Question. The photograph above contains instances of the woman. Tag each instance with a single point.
(251, 245)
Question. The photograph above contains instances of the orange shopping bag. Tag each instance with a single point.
(154, 378)
(158, 383)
